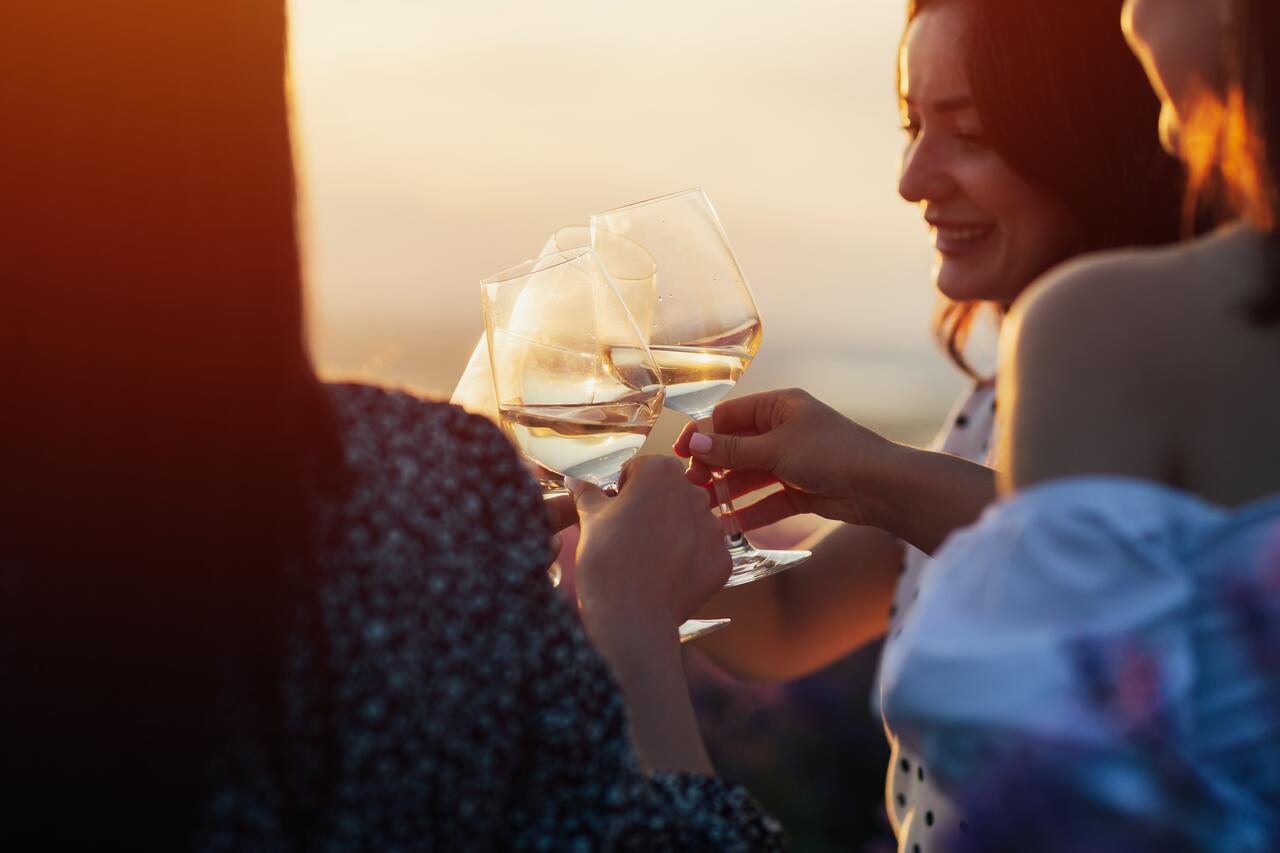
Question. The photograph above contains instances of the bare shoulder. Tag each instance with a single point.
(1096, 358)
(1137, 295)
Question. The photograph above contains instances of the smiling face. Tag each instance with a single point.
(1178, 42)
(994, 233)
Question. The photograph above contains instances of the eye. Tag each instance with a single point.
(911, 127)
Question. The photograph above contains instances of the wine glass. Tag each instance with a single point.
(632, 271)
(474, 393)
(705, 330)
(576, 388)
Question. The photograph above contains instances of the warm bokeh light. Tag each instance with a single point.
(441, 142)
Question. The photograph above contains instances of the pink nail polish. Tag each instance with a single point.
(699, 443)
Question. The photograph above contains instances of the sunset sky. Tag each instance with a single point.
(440, 142)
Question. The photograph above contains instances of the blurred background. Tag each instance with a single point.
(440, 142)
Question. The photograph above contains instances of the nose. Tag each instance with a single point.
(925, 173)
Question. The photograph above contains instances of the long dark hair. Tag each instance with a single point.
(1233, 144)
(161, 416)
(1068, 108)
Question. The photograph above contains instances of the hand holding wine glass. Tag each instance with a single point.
(825, 463)
(706, 327)
(631, 580)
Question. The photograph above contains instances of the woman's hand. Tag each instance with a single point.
(826, 463)
(649, 558)
(561, 514)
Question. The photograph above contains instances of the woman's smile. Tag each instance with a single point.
(956, 239)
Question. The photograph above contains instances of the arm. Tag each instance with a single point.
(633, 628)
(558, 769)
(829, 465)
(648, 664)
(797, 622)
(583, 787)
(646, 560)
(602, 769)
(884, 492)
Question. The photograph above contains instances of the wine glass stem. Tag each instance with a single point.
(734, 537)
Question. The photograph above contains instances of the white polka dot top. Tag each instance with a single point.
(918, 811)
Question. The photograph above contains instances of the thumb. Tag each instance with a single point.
(588, 498)
(734, 451)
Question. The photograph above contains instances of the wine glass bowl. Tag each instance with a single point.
(632, 269)
(576, 388)
(474, 392)
(705, 330)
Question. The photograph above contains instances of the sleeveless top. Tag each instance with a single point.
(1099, 657)
(918, 811)
(467, 708)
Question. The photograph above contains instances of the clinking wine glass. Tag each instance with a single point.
(576, 388)
(705, 331)
(632, 272)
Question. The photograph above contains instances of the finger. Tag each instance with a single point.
(588, 498)
(742, 483)
(681, 446)
(561, 512)
(769, 510)
(697, 473)
(556, 544)
(751, 414)
(735, 451)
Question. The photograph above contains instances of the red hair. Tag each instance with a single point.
(1233, 142)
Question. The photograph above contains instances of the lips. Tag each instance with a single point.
(959, 238)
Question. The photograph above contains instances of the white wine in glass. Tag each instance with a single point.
(705, 331)
(474, 393)
(632, 271)
(576, 388)
(698, 377)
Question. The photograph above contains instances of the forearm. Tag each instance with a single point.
(797, 622)
(923, 496)
(648, 663)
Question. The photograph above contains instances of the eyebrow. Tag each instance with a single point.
(953, 104)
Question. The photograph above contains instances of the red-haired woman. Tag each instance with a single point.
(1092, 665)
(1029, 142)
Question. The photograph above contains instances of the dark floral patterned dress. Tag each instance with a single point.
(468, 708)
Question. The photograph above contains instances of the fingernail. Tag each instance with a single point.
(699, 443)
(573, 484)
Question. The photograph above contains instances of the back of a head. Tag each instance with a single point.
(160, 410)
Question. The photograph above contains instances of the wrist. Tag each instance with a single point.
(876, 482)
(928, 494)
(631, 640)
(614, 614)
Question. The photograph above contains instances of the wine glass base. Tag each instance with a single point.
(695, 628)
(753, 564)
